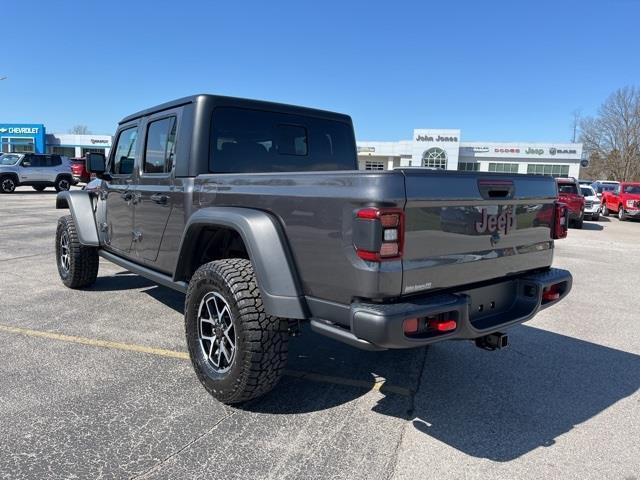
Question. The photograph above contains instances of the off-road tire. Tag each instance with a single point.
(39, 188)
(8, 184)
(261, 339)
(579, 223)
(605, 211)
(83, 261)
(63, 183)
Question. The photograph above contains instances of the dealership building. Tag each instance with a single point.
(440, 148)
(437, 148)
(33, 138)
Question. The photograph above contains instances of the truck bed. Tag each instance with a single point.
(444, 212)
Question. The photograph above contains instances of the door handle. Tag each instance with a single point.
(160, 198)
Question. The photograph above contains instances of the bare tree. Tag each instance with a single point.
(612, 138)
(80, 130)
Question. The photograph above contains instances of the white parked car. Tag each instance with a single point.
(591, 203)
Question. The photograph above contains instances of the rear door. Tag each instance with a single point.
(120, 190)
(462, 228)
(155, 186)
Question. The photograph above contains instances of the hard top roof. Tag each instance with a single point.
(237, 102)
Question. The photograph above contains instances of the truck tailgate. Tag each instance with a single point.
(462, 228)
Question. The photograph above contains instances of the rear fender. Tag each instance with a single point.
(81, 207)
(267, 249)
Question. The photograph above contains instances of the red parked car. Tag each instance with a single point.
(623, 200)
(569, 194)
(79, 171)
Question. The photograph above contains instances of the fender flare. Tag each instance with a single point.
(267, 249)
(81, 207)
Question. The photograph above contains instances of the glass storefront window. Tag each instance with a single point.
(554, 170)
(503, 167)
(18, 145)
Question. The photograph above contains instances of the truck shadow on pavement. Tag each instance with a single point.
(494, 405)
(503, 405)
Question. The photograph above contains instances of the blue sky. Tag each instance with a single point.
(504, 71)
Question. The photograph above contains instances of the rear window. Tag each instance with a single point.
(567, 188)
(256, 141)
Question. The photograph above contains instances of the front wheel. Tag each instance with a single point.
(238, 351)
(622, 215)
(77, 263)
(605, 210)
(62, 184)
(7, 185)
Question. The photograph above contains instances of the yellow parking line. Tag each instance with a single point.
(95, 342)
(376, 383)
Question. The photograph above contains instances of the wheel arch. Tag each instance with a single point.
(81, 208)
(13, 175)
(265, 246)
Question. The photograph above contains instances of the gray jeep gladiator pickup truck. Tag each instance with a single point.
(257, 212)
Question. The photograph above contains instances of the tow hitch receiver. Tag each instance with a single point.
(493, 341)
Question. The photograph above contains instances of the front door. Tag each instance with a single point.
(120, 190)
(155, 185)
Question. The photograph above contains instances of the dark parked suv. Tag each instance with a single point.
(257, 212)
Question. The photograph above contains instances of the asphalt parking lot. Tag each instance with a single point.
(96, 383)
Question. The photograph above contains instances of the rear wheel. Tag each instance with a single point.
(39, 188)
(62, 184)
(77, 263)
(238, 351)
(605, 210)
(8, 184)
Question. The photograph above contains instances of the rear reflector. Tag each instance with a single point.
(444, 325)
(410, 325)
(551, 294)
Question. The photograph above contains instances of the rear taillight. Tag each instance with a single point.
(378, 233)
(560, 221)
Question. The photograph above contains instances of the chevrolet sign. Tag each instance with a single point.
(20, 130)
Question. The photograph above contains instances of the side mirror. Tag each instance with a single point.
(96, 163)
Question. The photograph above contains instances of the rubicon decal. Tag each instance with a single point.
(501, 223)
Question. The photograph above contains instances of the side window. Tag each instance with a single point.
(161, 144)
(38, 161)
(27, 161)
(125, 153)
(56, 160)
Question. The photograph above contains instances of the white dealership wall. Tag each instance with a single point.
(78, 143)
(409, 153)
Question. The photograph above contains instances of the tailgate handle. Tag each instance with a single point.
(496, 189)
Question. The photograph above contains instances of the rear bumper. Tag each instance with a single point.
(478, 311)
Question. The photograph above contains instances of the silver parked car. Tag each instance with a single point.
(36, 170)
